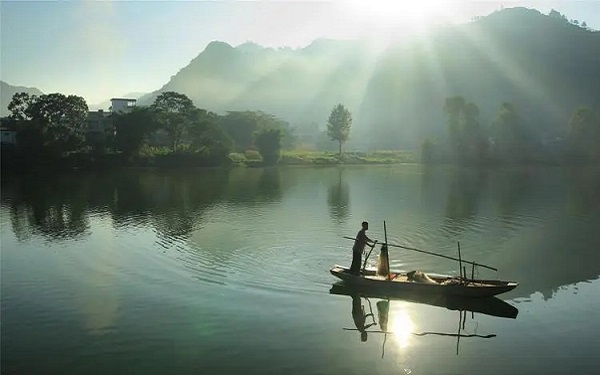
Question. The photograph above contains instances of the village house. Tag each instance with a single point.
(99, 122)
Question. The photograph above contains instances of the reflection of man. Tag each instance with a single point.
(359, 316)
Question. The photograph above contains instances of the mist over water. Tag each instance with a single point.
(157, 271)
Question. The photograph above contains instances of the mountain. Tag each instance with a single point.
(289, 83)
(545, 66)
(6, 93)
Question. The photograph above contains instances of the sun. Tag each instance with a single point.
(407, 13)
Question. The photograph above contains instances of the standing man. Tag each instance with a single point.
(359, 245)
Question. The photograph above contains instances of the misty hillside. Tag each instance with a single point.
(289, 83)
(6, 93)
(546, 66)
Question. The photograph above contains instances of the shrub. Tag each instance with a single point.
(252, 155)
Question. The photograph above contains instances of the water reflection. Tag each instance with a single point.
(48, 208)
(269, 184)
(99, 294)
(59, 207)
(511, 187)
(516, 218)
(583, 191)
(360, 316)
(247, 185)
(464, 193)
(393, 316)
(338, 198)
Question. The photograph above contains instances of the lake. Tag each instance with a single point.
(227, 271)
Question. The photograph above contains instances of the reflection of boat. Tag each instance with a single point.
(421, 283)
(489, 306)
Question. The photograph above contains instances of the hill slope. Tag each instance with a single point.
(6, 93)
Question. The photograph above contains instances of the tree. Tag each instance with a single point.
(453, 109)
(584, 134)
(338, 126)
(132, 128)
(174, 112)
(467, 140)
(427, 151)
(19, 106)
(510, 136)
(268, 142)
(557, 15)
(52, 124)
(207, 138)
(241, 127)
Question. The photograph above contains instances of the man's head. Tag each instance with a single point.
(365, 225)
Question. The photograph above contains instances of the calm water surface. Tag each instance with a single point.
(150, 272)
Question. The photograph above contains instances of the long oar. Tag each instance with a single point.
(435, 254)
(429, 333)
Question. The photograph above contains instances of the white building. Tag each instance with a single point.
(121, 104)
(98, 121)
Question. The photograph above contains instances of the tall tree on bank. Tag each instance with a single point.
(51, 124)
(338, 126)
(132, 128)
(174, 113)
(268, 142)
(467, 140)
(207, 138)
(511, 139)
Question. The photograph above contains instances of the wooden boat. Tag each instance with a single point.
(492, 306)
(423, 283)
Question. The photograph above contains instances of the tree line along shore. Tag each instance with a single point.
(58, 131)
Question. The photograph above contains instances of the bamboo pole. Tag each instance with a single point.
(460, 270)
(431, 253)
(387, 256)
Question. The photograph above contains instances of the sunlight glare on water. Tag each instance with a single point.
(402, 327)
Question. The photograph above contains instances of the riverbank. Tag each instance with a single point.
(330, 158)
(14, 163)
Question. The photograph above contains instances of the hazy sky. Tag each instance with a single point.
(106, 49)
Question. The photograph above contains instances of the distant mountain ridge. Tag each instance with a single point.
(546, 66)
(283, 81)
(7, 91)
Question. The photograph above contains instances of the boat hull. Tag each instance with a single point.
(444, 285)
